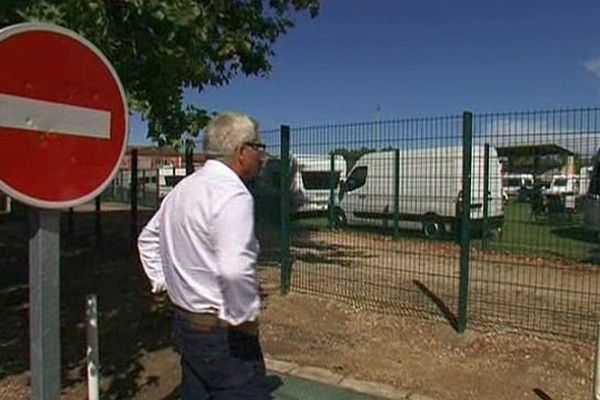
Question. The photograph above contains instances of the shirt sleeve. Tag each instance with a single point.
(237, 252)
(150, 257)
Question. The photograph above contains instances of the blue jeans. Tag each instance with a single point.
(221, 364)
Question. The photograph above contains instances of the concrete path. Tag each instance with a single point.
(311, 383)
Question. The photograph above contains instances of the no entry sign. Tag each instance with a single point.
(63, 117)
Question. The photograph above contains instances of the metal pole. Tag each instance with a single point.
(189, 158)
(143, 198)
(396, 194)
(44, 304)
(285, 210)
(485, 231)
(92, 353)
(465, 226)
(157, 187)
(332, 184)
(597, 366)
(134, 200)
(71, 221)
(98, 216)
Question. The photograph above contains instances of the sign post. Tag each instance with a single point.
(44, 304)
(63, 132)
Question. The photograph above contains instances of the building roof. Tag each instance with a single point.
(154, 151)
(533, 150)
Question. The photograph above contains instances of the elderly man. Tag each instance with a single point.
(200, 247)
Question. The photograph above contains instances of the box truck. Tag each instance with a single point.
(429, 190)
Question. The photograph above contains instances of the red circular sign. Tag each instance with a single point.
(63, 117)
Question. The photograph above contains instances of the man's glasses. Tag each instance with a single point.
(261, 147)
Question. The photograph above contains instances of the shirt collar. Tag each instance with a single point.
(223, 169)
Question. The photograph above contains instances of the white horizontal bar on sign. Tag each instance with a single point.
(45, 116)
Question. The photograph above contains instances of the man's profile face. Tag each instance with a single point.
(254, 154)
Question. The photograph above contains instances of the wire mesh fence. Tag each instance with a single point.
(380, 219)
(542, 273)
(398, 177)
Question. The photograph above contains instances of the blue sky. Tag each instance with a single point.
(421, 58)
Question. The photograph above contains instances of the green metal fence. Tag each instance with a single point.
(418, 216)
(471, 219)
(542, 273)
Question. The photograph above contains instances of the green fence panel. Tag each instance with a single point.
(540, 272)
(394, 179)
(401, 195)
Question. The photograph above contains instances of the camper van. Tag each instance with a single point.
(591, 218)
(310, 182)
(429, 187)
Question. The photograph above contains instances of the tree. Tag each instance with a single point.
(162, 47)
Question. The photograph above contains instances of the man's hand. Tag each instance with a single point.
(158, 287)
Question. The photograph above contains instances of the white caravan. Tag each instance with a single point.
(563, 185)
(168, 177)
(591, 217)
(513, 182)
(429, 187)
(310, 182)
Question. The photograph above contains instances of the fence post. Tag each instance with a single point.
(98, 216)
(143, 198)
(92, 353)
(285, 210)
(396, 194)
(332, 191)
(121, 186)
(134, 202)
(157, 170)
(485, 231)
(189, 158)
(465, 223)
(71, 221)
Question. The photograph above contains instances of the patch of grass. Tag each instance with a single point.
(544, 235)
(556, 235)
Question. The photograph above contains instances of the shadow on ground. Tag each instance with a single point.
(131, 322)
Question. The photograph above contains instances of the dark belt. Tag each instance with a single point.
(208, 322)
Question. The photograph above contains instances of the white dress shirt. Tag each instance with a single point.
(200, 245)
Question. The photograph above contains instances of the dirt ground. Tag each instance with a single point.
(416, 350)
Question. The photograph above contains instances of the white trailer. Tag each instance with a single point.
(168, 177)
(429, 190)
(151, 182)
(585, 174)
(512, 183)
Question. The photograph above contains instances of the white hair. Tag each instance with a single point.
(228, 131)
